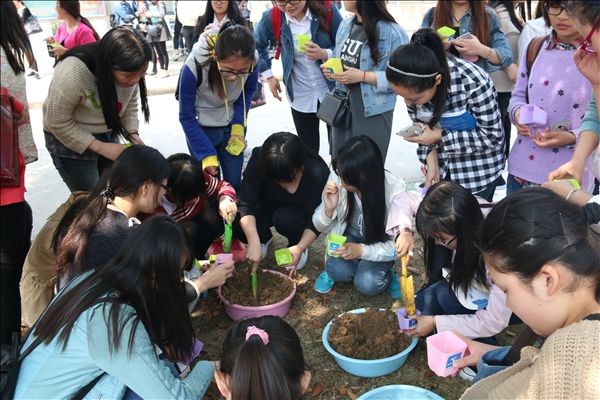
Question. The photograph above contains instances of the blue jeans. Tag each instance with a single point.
(512, 185)
(231, 166)
(80, 175)
(439, 299)
(370, 277)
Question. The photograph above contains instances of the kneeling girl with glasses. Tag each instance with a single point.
(215, 91)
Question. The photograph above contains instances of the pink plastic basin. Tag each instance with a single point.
(237, 312)
(442, 350)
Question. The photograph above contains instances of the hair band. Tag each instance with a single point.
(108, 192)
(410, 73)
(253, 330)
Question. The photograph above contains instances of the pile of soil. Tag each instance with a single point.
(272, 288)
(371, 335)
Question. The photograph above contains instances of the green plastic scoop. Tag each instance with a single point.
(254, 280)
(227, 236)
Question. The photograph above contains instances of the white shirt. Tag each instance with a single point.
(307, 80)
(532, 29)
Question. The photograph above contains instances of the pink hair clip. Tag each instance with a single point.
(253, 330)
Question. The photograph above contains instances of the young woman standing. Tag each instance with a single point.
(217, 13)
(156, 15)
(455, 101)
(75, 29)
(305, 84)
(364, 43)
(92, 104)
(15, 232)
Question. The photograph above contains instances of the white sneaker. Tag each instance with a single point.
(303, 260)
(265, 248)
(467, 374)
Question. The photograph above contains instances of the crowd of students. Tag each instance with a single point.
(108, 321)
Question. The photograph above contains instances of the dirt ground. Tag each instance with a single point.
(309, 314)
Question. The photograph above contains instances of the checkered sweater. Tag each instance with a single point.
(471, 158)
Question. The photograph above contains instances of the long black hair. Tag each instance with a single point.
(233, 12)
(535, 227)
(263, 371)
(14, 39)
(450, 209)
(424, 55)
(120, 49)
(282, 156)
(510, 7)
(372, 12)
(233, 40)
(147, 279)
(136, 166)
(359, 163)
(186, 179)
(73, 8)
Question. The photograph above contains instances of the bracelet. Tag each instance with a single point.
(489, 54)
(570, 193)
(364, 75)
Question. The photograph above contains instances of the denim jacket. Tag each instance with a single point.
(263, 34)
(51, 372)
(379, 98)
(497, 40)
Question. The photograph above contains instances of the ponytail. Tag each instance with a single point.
(264, 360)
(416, 66)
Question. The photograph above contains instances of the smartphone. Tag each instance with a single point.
(411, 130)
(50, 47)
(465, 36)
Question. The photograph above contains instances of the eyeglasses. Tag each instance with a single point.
(555, 10)
(445, 244)
(586, 45)
(237, 74)
(283, 3)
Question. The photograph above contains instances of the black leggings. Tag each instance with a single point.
(307, 126)
(162, 54)
(289, 221)
(15, 239)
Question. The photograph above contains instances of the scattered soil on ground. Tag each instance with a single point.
(272, 288)
(371, 335)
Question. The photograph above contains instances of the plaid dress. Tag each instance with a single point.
(472, 158)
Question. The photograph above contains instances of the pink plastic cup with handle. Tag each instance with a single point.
(442, 350)
(224, 258)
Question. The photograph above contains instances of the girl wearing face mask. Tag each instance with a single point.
(539, 149)
(135, 183)
(305, 84)
(454, 102)
(216, 87)
(75, 29)
(541, 253)
(92, 104)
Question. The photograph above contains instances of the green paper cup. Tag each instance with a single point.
(283, 256)
(302, 40)
(334, 242)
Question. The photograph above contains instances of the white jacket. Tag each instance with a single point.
(382, 251)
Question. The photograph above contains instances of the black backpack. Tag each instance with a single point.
(198, 78)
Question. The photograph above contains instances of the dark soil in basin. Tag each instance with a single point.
(371, 335)
(272, 288)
